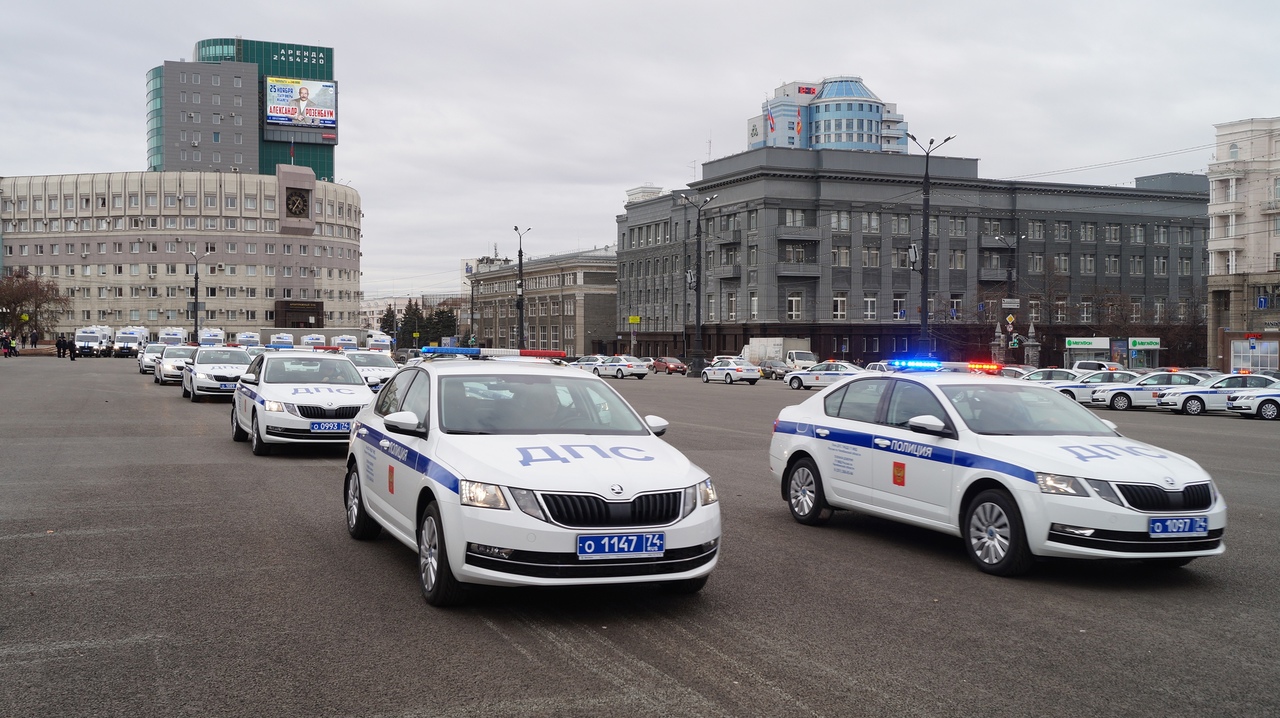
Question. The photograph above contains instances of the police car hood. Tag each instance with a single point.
(571, 463)
(236, 369)
(1109, 458)
(326, 395)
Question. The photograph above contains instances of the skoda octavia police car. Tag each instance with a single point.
(1017, 470)
(518, 473)
(1210, 394)
(1081, 389)
(172, 361)
(1143, 392)
(291, 396)
(820, 375)
(213, 371)
(1256, 403)
(376, 364)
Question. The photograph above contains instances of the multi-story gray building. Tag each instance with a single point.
(570, 303)
(821, 244)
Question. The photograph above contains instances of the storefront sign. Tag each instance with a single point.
(1144, 343)
(1088, 343)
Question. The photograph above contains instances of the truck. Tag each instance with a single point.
(94, 341)
(378, 340)
(346, 342)
(173, 336)
(211, 337)
(248, 339)
(130, 340)
(792, 351)
(281, 341)
(313, 340)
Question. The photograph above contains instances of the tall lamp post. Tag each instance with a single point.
(697, 359)
(471, 312)
(196, 303)
(520, 282)
(924, 239)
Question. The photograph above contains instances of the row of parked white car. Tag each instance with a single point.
(1255, 395)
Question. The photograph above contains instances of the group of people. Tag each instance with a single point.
(9, 345)
(66, 347)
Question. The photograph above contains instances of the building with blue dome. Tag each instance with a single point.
(838, 113)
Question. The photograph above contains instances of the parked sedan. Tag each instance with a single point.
(731, 370)
(620, 367)
(670, 365)
(822, 374)
(773, 369)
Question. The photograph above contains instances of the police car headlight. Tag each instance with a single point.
(1104, 491)
(706, 493)
(486, 496)
(275, 406)
(201, 375)
(1059, 484)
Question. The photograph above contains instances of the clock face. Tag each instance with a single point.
(296, 203)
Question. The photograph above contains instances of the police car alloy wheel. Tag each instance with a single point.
(360, 524)
(1070, 395)
(705, 377)
(1269, 410)
(1120, 402)
(994, 535)
(260, 447)
(439, 586)
(803, 492)
(185, 392)
(797, 383)
(728, 378)
(237, 433)
(1193, 406)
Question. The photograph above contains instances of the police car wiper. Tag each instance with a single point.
(467, 431)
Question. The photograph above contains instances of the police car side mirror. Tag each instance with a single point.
(249, 378)
(1111, 425)
(929, 424)
(188, 362)
(404, 422)
(657, 424)
(372, 380)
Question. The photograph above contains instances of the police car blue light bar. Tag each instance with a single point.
(478, 352)
(921, 364)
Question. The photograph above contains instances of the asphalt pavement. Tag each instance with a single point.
(151, 566)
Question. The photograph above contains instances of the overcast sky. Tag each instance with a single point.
(460, 120)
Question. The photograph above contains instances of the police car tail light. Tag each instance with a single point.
(1104, 491)
(487, 496)
(1059, 484)
(528, 503)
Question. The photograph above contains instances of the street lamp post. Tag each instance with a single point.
(196, 303)
(520, 282)
(471, 312)
(924, 239)
(697, 358)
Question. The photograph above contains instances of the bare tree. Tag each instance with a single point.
(30, 304)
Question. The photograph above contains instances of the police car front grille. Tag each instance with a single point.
(593, 511)
(225, 377)
(1145, 497)
(319, 412)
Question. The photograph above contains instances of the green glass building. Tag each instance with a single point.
(225, 110)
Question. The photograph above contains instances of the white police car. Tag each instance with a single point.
(1015, 469)
(526, 474)
(376, 364)
(213, 371)
(1256, 403)
(820, 375)
(1211, 394)
(148, 356)
(292, 397)
(1081, 388)
(731, 369)
(172, 362)
(1143, 392)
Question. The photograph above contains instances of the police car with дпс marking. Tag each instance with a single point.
(297, 397)
(213, 371)
(1014, 468)
(526, 474)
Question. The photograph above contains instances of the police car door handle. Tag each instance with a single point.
(362, 432)
(882, 443)
(821, 432)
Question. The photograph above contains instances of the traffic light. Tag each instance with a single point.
(1013, 341)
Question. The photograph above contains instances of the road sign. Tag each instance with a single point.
(633, 319)
(1009, 319)
(982, 306)
(1263, 302)
(1010, 303)
(1009, 326)
(415, 335)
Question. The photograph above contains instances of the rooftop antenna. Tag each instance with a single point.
(708, 146)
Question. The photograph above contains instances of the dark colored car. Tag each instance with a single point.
(670, 365)
(773, 369)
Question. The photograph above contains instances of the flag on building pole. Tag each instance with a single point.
(799, 123)
(772, 126)
(291, 150)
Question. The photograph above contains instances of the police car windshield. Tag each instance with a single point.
(155, 348)
(1005, 410)
(378, 359)
(514, 404)
(178, 352)
(312, 370)
(222, 356)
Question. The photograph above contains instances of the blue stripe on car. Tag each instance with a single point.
(420, 462)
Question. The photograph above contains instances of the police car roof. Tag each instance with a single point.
(481, 368)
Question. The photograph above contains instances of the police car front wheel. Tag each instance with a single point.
(797, 383)
(259, 447)
(436, 578)
(237, 433)
(360, 524)
(804, 493)
(994, 536)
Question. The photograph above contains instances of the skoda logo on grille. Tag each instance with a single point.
(616, 490)
(329, 404)
(1168, 481)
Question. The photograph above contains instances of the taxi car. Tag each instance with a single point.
(1143, 392)
(148, 356)
(773, 369)
(1210, 394)
(171, 363)
(292, 397)
(1256, 403)
(1081, 388)
(213, 371)
(526, 474)
(822, 374)
(376, 364)
(731, 369)
(1015, 469)
(670, 365)
(621, 366)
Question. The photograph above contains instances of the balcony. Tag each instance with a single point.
(1271, 206)
(1221, 208)
(991, 274)
(732, 271)
(801, 233)
(798, 269)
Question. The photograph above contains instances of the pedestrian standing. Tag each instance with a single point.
(4, 344)
(24, 339)
(35, 337)
(72, 349)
